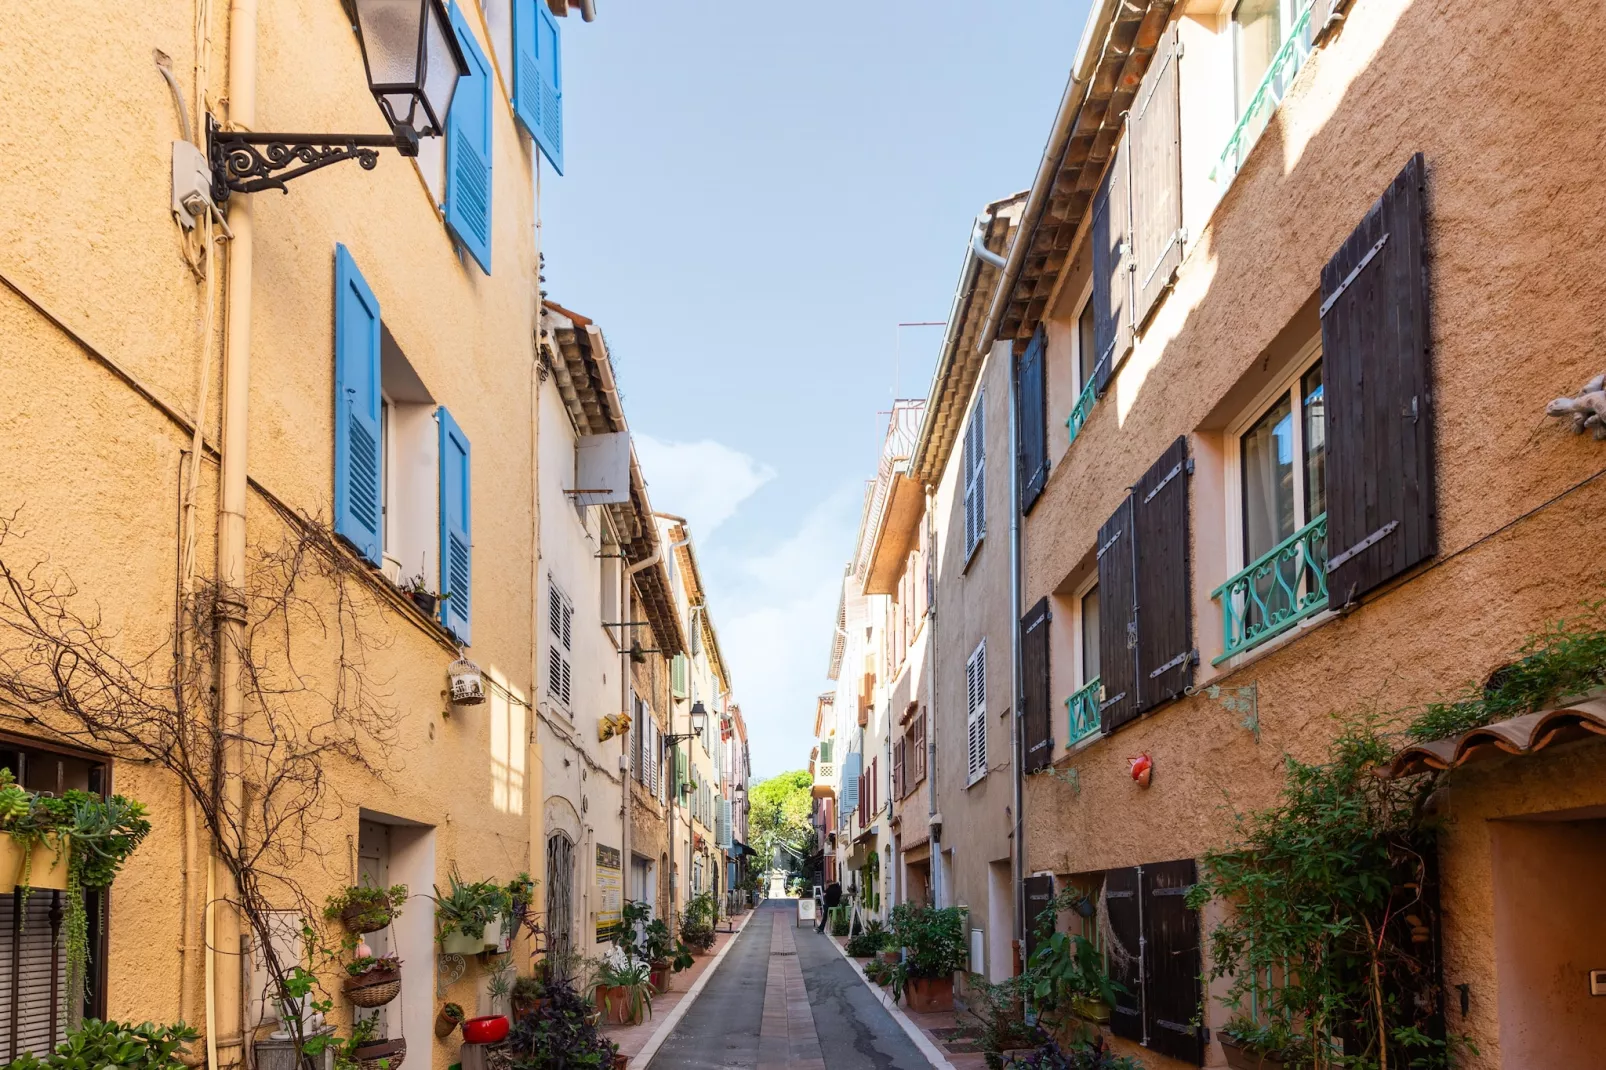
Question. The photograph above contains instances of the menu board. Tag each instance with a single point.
(610, 893)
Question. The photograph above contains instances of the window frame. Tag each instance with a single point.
(1084, 305)
(1079, 630)
(973, 459)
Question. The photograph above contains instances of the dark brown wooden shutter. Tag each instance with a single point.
(1171, 966)
(1156, 135)
(1033, 423)
(1037, 742)
(1380, 508)
(1165, 618)
(1112, 274)
(1125, 950)
(1039, 891)
(1118, 623)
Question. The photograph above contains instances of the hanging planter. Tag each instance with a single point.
(363, 910)
(461, 943)
(447, 1019)
(377, 984)
(35, 863)
(466, 683)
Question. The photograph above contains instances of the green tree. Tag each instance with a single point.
(780, 816)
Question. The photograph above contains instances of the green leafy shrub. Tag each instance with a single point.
(559, 1035)
(97, 1045)
(840, 921)
(469, 908)
(874, 937)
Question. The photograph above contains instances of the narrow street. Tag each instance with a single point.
(785, 999)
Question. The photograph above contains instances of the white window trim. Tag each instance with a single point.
(976, 713)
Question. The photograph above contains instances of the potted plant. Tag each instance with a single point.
(1066, 974)
(467, 913)
(664, 954)
(697, 924)
(1005, 1033)
(623, 990)
(373, 981)
(933, 941)
(527, 995)
(1251, 1046)
(560, 1033)
(869, 941)
(447, 1019)
(362, 909)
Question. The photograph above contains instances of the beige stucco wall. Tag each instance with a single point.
(93, 469)
(1515, 275)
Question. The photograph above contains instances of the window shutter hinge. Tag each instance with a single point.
(1190, 466)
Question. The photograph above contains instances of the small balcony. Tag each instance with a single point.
(1081, 410)
(1280, 588)
(1082, 710)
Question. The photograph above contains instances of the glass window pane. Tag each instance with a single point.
(1090, 635)
(1314, 403)
(1086, 345)
(1268, 479)
(1257, 33)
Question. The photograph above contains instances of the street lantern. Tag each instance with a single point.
(699, 718)
(413, 62)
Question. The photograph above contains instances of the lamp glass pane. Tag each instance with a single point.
(441, 70)
(390, 32)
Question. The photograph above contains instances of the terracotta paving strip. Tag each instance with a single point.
(788, 1039)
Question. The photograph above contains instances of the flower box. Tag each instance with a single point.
(1241, 1058)
(47, 868)
(1091, 1010)
(458, 942)
(928, 994)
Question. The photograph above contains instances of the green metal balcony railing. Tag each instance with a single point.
(1268, 94)
(1083, 710)
(1279, 589)
(1080, 411)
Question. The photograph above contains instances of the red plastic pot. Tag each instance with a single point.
(486, 1030)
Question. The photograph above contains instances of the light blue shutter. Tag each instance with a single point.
(457, 546)
(538, 76)
(357, 401)
(852, 768)
(468, 150)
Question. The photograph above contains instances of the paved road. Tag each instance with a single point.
(784, 999)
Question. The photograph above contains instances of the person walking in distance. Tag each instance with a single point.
(833, 898)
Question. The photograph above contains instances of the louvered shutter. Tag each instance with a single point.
(1112, 273)
(1033, 423)
(538, 77)
(1164, 594)
(357, 403)
(42, 971)
(850, 782)
(468, 150)
(1171, 965)
(974, 462)
(898, 766)
(1381, 515)
(1156, 139)
(457, 544)
(1124, 950)
(1039, 891)
(976, 718)
(560, 625)
(1118, 621)
(1037, 744)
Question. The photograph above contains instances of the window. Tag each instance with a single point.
(1280, 513)
(1090, 635)
(976, 720)
(1270, 40)
(610, 567)
(1082, 707)
(560, 644)
(1087, 347)
(974, 463)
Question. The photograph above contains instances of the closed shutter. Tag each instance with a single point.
(457, 544)
(680, 770)
(41, 1024)
(560, 644)
(850, 782)
(1033, 409)
(1039, 891)
(1165, 621)
(538, 77)
(1171, 966)
(1156, 139)
(875, 784)
(1380, 510)
(357, 400)
(1112, 274)
(974, 462)
(1124, 948)
(1118, 622)
(468, 150)
(1037, 744)
(677, 676)
(898, 766)
(976, 717)
(920, 746)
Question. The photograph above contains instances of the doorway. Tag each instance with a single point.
(373, 871)
(1000, 922)
(560, 896)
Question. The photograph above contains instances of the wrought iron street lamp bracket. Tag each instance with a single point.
(249, 162)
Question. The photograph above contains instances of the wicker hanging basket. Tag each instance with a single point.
(381, 1055)
(374, 988)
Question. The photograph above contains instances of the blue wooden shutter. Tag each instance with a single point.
(538, 77)
(357, 401)
(457, 546)
(468, 150)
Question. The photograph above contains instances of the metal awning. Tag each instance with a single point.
(1526, 734)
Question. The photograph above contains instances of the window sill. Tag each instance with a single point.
(1272, 645)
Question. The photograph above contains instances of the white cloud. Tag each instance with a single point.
(705, 482)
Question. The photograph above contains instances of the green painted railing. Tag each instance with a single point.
(1083, 710)
(1268, 94)
(1080, 411)
(1279, 589)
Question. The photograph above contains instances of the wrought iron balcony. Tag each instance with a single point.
(1280, 74)
(1081, 410)
(1082, 709)
(1279, 589)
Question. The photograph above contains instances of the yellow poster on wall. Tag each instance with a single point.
(610, 892)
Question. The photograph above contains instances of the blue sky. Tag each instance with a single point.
(756, 195)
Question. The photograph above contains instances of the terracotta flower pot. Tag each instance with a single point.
(659, 978)
(1240, 1058)
(928, 994)
(889, 957)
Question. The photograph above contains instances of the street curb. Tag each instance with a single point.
(644, 1057)
(932, 1053)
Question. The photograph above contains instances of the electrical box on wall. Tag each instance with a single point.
(1597, 982)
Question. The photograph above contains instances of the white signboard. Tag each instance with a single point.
(805, 911)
